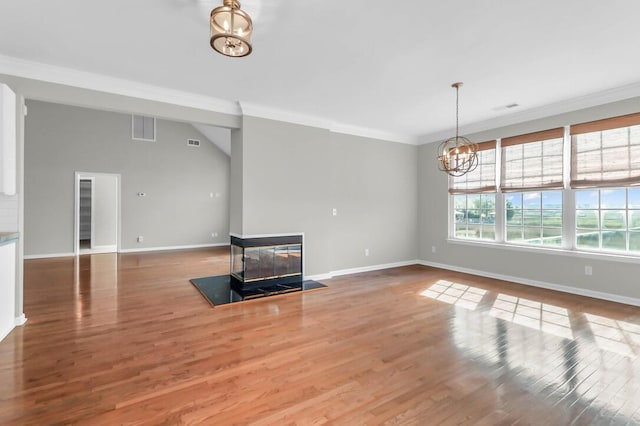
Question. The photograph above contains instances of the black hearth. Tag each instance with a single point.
(273, 263)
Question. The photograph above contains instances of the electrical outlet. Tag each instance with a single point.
(335, 212)
(433, 249)
(588, 270)
(140, 238)
(366, 252)
(214, 234)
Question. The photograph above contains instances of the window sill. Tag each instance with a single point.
(548, 250)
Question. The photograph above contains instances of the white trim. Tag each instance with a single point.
(366, 132)
(119, 86)
(5, 333)
(373, 268)
(270, 113)
(100, 250)
(361, 269)
(541, 284)
(76, 231)
(562, 107)
(318, 277)
(129, 88)
(47, 255)
(284, 234)
(20, 321)
(255, 110)
(140, 250)
(548, 250)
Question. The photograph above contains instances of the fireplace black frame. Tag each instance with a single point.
(272, 263)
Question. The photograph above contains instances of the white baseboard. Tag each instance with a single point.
(19, 321)
(542, 284)
(361, 269)
(139, 250)
(372, 268)
(99, 250)
(4, 333)
(48, 255)
(318, 277)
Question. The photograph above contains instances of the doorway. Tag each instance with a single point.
(97, 213)
(86, 215)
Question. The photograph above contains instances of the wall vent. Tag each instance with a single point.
(143, 128)
(193, 142)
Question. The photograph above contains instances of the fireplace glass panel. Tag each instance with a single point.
(266, 262)
(237, 266)
(295, 260)
(251, 263)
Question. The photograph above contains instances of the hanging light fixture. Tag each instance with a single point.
(231, 29)
(458, 155)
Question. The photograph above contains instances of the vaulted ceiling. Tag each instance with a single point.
(380, 65)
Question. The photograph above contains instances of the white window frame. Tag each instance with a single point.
(569, 231)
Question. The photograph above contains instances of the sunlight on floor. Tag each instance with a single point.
(465, 296)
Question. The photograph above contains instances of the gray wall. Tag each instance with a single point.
(294, 175)
(177, 210)
(375, 189)
(609, 276)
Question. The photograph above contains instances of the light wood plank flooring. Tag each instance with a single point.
(126, 339)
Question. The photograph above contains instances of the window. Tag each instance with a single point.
(475, 216)
(483, 177)
(534, 218)
(606, 152)
(532, 161)
(608, 219)
(573, 193)
(474, 199)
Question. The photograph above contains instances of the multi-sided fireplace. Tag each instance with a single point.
(260, 267)
(272, 264)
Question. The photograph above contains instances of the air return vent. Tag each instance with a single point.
(143, 128)
(193, 142)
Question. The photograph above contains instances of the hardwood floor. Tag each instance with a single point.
(125, 339)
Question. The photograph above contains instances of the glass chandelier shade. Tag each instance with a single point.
(458, 155)
(231, 30)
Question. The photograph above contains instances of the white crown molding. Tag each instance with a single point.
(374, 134)
(103, 83)
(562, 107)
(262, 111)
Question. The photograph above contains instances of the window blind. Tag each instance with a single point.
(606, 152)
(483, 178)
(532, 162)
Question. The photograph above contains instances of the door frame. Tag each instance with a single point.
(76, 228)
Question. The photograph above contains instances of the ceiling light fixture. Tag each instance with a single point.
(458, 155)
(231, 29)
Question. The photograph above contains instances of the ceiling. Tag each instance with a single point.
(379, 65)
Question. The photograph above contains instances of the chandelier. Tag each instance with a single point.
(231, 29)
(458, 155)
